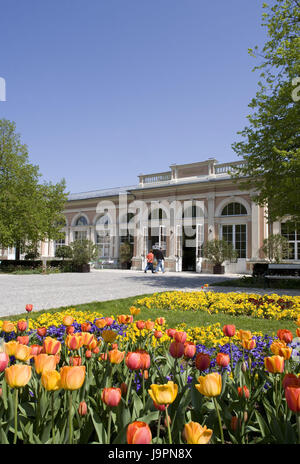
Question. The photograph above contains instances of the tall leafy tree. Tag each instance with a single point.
(270, 144)
(30, 211)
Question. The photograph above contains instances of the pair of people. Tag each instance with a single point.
(159, 258)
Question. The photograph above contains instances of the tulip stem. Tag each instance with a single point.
(129, 387)
(70, 419)
(16, 415)
(219, 419)
(158, 426)
(168, 424)
(109, 427)
(52, 416)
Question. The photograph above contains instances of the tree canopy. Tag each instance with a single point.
(270, 144)
(30, 210)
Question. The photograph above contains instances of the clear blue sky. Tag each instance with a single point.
(103, 90)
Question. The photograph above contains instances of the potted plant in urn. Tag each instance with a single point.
(83, 251)
(218, 251)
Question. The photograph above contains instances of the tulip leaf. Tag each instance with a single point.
(99, 427)
(264, 429)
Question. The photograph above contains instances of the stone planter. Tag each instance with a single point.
(218, 269)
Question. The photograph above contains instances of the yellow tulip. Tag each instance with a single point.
(163, 394)
(8, 326)
(195, 434)
(134, 311)
(244, 334)
(72, 377)
(10, 347)
(276, 346)
(51, 380)
(210, 384)
(23, 353)
(18, 375)
(44, 362)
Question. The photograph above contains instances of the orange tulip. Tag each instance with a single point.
(116, 356)
(285, 335)
(160, 321)
(149, 325)
(145, 359)
(51, 345)
(74, 341)
(109, 321)
(18, 375)
(68, 320)
(111, 396)
(23, 353)
(35, 349)
(93, 345)
(140, 324)
(195, 434)
(24, 339)
(75, 361)
(274, 364)
(189, 350)
(70, 330)
(125, 319)
(249, 344)
(72, 377)
(22, 326)
(8, 326)
(292, 395)
(134, 311)
(138, 433)
(298, 332)
(170, 332)
(244, 334)
(44, 362)
(210, 384)
(290, 380)
(276, 345)
(100, 323)
(51, 380)
(158, 334)
(222, 359)
(86, 327)
(285, 352)
(88, 339)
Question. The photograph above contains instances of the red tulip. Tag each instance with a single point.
(292, 395)
(133, 360)
(35, 349)
(170, 332)
(145, 359)
(222, 359)
(189, 350)
(243, 392)
(176, 349)
(202, 361)
(139, 433)
(70, 330)
(290, 380)
(29, 308)
(111, 396)
(41, 331)
(82, 408)
(109, 321)
(75, 361)
(140, 324)
(85, 327)
(180, 337)
(158, 334)
(24, 340)
(229, 330)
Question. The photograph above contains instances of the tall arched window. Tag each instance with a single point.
(236, 234)
(81, 221)
(234, 209)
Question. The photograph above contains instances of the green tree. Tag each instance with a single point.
(83, 251)
(30, 211)
(218, 251)
(270, 144)
(275, 247)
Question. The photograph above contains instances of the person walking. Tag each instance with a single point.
(160, 260)
(150, 258)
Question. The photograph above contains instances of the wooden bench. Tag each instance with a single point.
(282, 272)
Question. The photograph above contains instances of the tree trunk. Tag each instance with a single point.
(17, 251)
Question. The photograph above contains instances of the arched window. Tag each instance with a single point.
(81, 221)
(103, 220)
(234, 209)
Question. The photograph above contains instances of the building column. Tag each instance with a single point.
(211, 216)
(255, 231)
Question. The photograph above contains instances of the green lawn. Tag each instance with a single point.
(173, 318)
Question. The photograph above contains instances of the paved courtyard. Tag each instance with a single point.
(56, 290)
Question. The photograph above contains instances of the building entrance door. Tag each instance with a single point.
(192, 243)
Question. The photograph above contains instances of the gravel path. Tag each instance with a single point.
(56, 290)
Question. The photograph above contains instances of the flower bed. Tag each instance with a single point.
(236, 304)
(76, 377)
